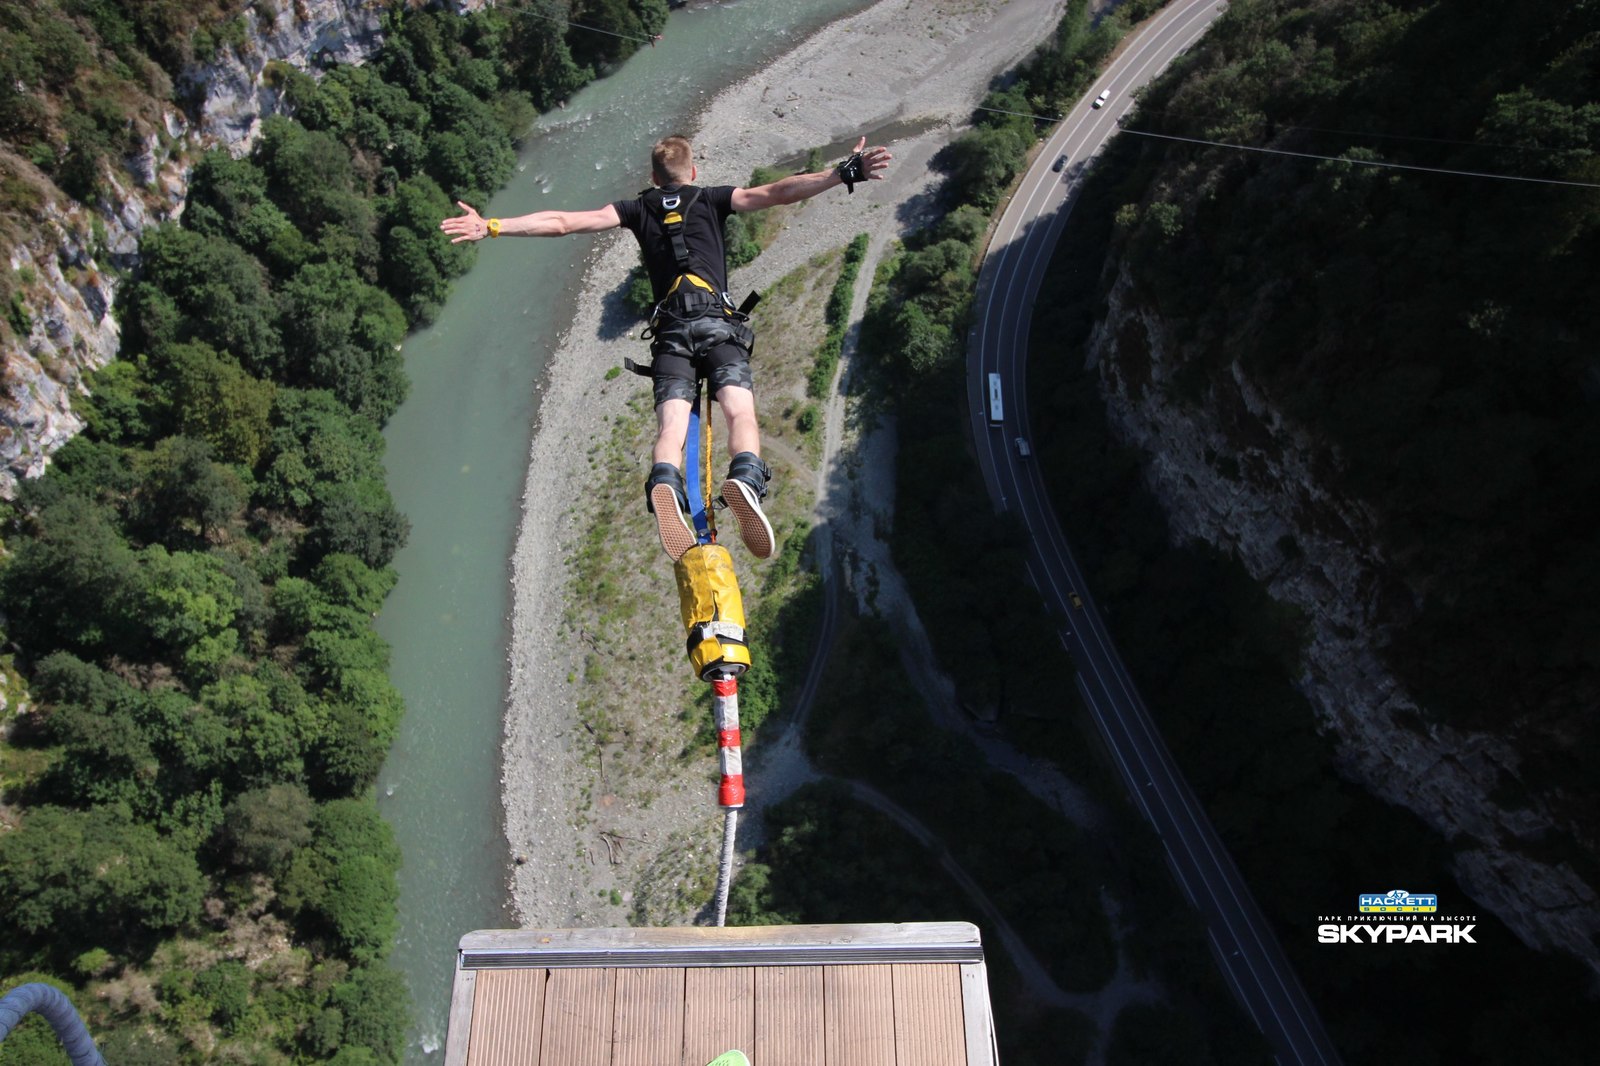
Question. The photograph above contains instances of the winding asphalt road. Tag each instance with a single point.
(1243, 943)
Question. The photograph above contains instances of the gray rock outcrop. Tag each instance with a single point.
(68, 286)
(1233, 472)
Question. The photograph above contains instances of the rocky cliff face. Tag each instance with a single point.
(1233, 472)
(69, 290)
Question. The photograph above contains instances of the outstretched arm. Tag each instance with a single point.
(470, 226)
(797, 187)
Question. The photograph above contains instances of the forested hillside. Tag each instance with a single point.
(188, 843)
(1434, 334)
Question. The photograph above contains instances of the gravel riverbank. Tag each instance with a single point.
(902, 65)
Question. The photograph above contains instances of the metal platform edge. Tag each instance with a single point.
(788, 945)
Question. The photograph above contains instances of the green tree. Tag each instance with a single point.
(349, 582)
(342, 334)
(71, 580)
(200, 287)
(86, 468)
(310, 175)
(417, 265)
(269, 736)
(349, 750)
(228, 198)
(345, 876)
(264, 827)
(225, 987)
(359, 518)
(469, 149)
(183, 493)
(925, 345)
(188, 604)
(360, 905)
(543, 62)
(118, 407)
(106, 756)
(983, 162)
(217, 402)
(374, 1000)
(410, 272)
(85, 875)
(317, 442)
(626, 22)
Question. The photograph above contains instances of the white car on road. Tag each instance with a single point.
(1099, 101)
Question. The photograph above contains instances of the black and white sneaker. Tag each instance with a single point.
(742, 493)
(664, 496)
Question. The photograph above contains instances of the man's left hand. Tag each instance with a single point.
(874, 160)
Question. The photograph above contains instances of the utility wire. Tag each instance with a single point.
(1329, 158)
(1024, 114)
(594, 29)
(1364, 133)
(1364, 162)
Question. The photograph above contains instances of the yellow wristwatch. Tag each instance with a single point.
(493, 226)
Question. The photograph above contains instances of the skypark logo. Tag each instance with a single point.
(1398, 901)
(1384, 933)
(1393, 917)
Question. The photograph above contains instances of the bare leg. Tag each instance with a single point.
(672, 430)
(739, 405)
(664, 487)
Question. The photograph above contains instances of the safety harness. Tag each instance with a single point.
(690, 296)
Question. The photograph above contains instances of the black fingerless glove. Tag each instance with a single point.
(851, 171)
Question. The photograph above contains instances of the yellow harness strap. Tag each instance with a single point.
(693, 279)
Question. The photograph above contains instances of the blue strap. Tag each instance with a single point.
(692, 463)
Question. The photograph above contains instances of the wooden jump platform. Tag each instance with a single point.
(913, 994)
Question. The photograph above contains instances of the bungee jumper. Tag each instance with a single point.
(695, 330)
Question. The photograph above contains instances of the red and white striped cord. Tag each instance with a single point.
(730, 792)
(725, 713)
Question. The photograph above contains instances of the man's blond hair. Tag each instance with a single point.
(672, 160)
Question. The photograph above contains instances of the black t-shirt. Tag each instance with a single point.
(702, 234)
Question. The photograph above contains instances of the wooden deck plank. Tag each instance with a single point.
(859, 1001)
(719, 1012)
(578, 1011)
(789, 1016)
(507, 1018)
(648, 1026)
(928, 1025)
